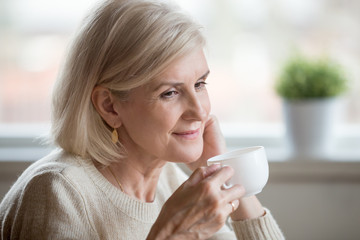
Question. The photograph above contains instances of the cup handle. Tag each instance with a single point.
(227, 184)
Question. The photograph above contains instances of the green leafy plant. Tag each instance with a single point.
(304, 78)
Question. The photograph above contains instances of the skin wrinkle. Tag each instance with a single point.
(150, 106)
(210, 206)
(166, 82)
(168, 125)
(157, 129)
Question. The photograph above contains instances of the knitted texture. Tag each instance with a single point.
(65, 197)
(262, 228)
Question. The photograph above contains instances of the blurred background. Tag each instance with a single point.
(248, 43)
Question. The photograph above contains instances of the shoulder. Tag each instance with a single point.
(42, 177)
(41, 181)
(44, 197)
(54, 171)
(48, 168)
(56, 161)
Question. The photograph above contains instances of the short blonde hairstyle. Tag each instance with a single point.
(123, 44)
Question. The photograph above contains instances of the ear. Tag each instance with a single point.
(104, 103)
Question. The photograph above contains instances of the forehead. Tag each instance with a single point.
(189, 67)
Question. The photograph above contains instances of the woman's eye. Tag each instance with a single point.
(169, 94)
(200, 85)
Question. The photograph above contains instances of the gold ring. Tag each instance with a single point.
(233, 206)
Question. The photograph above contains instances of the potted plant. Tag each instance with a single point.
(310, 90)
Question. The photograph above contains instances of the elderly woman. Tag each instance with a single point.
(130, 103)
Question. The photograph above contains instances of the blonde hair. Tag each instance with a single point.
(123, 44)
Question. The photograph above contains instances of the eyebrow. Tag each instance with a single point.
(179, 83)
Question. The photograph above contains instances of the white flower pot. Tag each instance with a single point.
(310, 127)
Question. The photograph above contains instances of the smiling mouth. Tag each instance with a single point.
(188, 135)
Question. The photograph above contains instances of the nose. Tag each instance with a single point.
(197, 108)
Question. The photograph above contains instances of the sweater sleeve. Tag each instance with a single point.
(47, 207)
(262, 228)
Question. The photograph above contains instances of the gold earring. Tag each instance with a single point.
(114, 136)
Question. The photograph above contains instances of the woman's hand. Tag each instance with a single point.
(214, 143)
(199, 207)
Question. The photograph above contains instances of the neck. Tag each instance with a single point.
(136, 179)
(138, 182)
(138, 173)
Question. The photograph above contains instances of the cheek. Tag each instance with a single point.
(206, 103)
(162, 121)
(170, 121)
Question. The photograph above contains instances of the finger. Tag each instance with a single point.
(235, 192)
(222, 175)
(202, 173)
(212, 127)
(232, 206)
(211, 119)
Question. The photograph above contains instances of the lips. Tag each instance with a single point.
(188, 135)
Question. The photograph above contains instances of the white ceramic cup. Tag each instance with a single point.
(251, 169)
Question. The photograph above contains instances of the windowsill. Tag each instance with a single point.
(18, 152)
(31, 154)
(272, 137)
(21, 143)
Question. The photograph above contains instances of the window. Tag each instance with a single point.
(248, 40)
(34, 36)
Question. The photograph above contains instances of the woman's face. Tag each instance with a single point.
(165, 119)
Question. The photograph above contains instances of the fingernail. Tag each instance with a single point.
(215, 166)
(236, 203)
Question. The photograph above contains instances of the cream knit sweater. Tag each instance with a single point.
(65, 197)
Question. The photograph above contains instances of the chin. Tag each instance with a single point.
(188, 155)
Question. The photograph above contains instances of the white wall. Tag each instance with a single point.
(315, 200)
